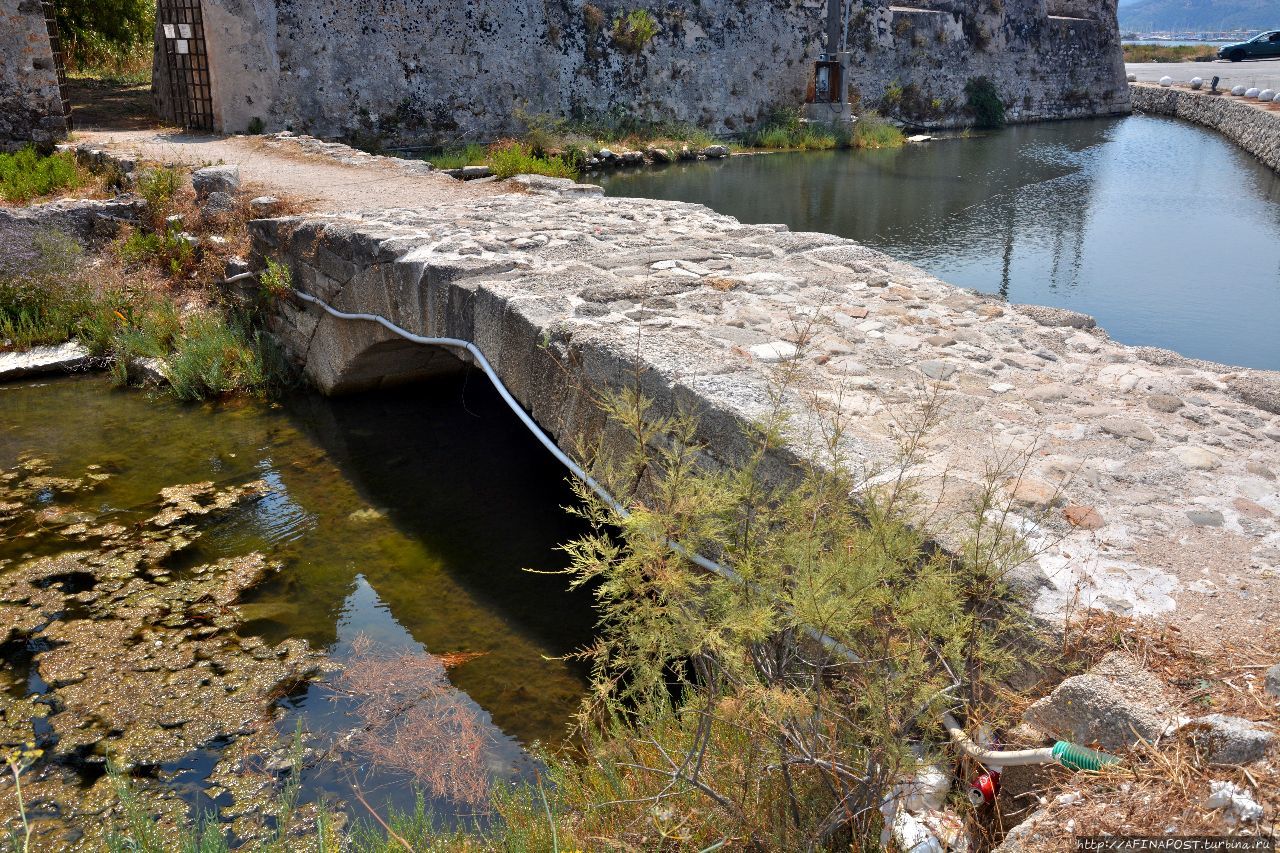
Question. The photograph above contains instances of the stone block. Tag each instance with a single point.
(1230, 740)
(1113, 705)
(211, 179)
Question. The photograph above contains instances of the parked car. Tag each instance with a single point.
(1259, 47)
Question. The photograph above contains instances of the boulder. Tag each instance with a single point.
(1272, 682)
(1113, 705)
(1230, 740)
(264, 207)
(215, 179)
(217, 203)
(715, 152)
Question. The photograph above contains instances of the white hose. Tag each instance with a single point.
(986, 756)
(995, 757)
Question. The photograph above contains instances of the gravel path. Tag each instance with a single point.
(324, 177)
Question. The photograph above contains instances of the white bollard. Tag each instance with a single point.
(1267, 95)
(1166, 81)
(1237, 90)
(1196, 82)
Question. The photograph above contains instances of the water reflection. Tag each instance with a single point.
(1166, 232)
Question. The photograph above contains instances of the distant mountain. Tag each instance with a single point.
(1198, 15)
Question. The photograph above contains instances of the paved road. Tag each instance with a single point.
(1264, 73)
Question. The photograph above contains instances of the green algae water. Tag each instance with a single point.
(408, 517)
(1166, 232)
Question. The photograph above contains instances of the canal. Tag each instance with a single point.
(1166, 232)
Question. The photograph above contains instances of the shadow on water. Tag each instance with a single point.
(1166, 232)
(408, 516)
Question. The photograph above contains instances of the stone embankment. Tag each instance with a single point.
(1144, 482)
(1249, 125)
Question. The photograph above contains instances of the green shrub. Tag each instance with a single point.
(508, 159)
(872, 131)
(215, 355)
(633, 32)
(276, 281)
(167, 249)
(159, 186)
(471, 154)
(26, 174)
(984, 103)
(42, 292)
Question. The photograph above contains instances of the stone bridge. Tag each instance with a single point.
(1147, 482)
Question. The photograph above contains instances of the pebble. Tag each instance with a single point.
(1259, 469)
(1033, 492)
(774, 352)
(939, 370)
(1001, 387)
(1085, 517)
(1251, 508)
(1126, 428)
(1197, 457)
(1164, 402)
(1205, 517)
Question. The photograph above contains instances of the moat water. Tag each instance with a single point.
(409, 517)
(1166, 232)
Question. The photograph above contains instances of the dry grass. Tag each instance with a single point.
(414, 721)
(1159, 787)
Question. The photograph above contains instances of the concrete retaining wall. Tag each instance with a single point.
(1255, 130)
(31, 108)
(421, 70)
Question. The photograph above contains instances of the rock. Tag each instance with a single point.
(660, 155)
(215, 179)
(473, 173)
(1205, 517)
(1236, 800)
(1049, 393)
(1257, 389)
(1000, 387)
(941, 340)
(1106, 706)
(715, 152)
(1244, 506)
(146, 371)
(1271, 684)
(62, 358)
(264, 207)
(218, 203)
(1198, 458)
(939, 370)
(1085, 517)
(1047, 316)
(1230, 740)
(1164, 403)
(1033, 492)
(1260, 470)
(1166, 81)
(771, 353)
(1126, 428)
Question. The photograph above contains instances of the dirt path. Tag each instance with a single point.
(285, 168)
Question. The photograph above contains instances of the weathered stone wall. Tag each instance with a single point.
(1253, 129)
(31, 108)
(421, 70)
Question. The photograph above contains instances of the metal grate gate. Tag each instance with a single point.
(55, 44)
(181, 31)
